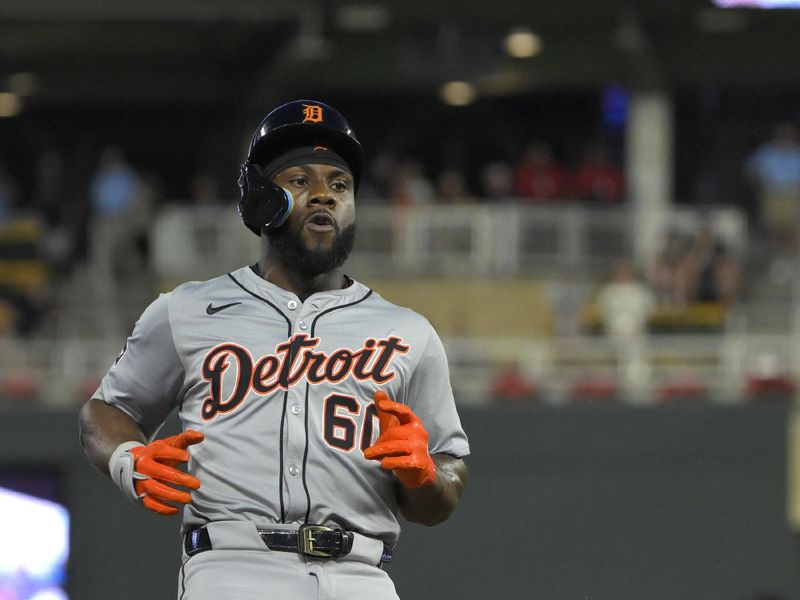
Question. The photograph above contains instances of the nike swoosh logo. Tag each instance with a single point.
(212, 310)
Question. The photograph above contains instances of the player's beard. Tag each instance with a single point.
(290, 248)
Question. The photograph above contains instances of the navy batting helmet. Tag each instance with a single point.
(292, 125)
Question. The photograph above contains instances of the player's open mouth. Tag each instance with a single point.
(321, 221)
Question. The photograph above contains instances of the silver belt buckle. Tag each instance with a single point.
(307, 541)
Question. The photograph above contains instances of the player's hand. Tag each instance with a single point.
(154, 472)
(403, 444)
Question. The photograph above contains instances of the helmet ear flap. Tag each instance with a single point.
(263, 205)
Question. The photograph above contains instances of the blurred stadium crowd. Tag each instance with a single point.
(55, 206)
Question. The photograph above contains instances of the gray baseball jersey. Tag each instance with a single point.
(282, 390)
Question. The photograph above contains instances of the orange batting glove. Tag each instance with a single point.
(154, 468)
(402, 446)
(147, 473)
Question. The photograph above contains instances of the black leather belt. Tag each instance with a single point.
(315, 541)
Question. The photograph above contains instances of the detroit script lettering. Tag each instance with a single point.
(293, 361)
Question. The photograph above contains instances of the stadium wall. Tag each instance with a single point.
(585, 503)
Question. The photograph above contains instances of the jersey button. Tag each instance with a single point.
(292, 304)
(294, 470)
(296, 410)
(303, 325)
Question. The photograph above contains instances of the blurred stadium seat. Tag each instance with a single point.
(684, 388)
(594, 388)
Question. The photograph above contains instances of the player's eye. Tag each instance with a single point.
(340, 185)
(299, 180)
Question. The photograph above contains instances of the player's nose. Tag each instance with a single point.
(321, 194)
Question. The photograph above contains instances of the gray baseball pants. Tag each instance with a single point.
(241, 567)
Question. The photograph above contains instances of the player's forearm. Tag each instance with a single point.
(102, 429)
(433, 504)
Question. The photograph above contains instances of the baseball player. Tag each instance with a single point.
(313, 410)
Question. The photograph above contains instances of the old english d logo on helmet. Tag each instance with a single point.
(296, 124)
(312, 113)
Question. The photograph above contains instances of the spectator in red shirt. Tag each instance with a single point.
(537, 175)
(597, 178)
